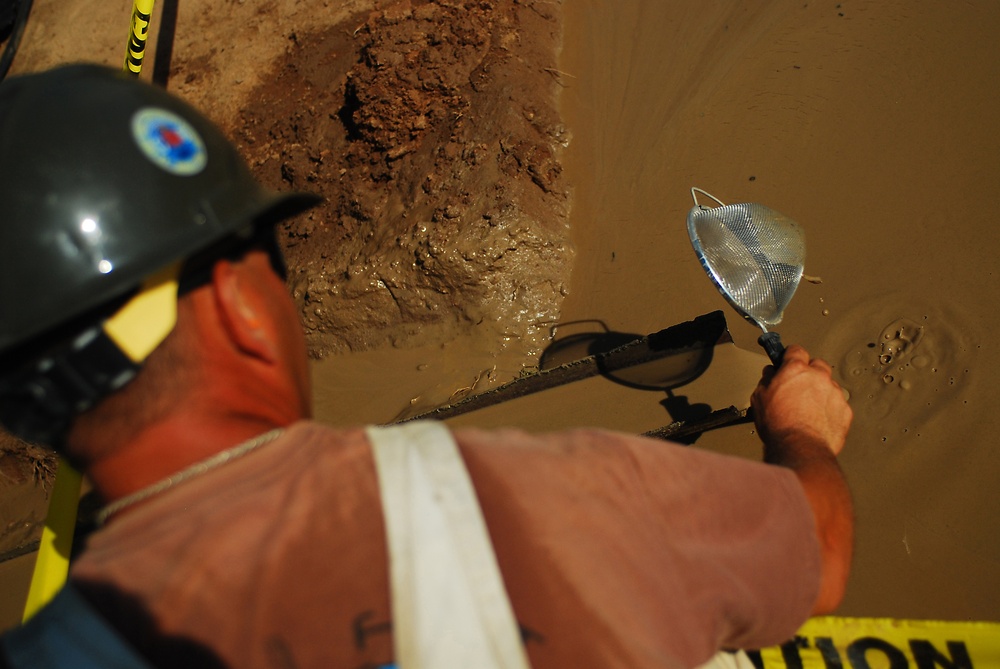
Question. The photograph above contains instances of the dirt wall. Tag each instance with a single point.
(431, 129)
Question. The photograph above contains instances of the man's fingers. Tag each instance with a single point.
(821, 364)
(796, 360)
(795, 353)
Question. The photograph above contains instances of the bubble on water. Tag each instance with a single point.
(901, 337)
(891, 367)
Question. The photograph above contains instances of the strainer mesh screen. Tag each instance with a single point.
(753, 253)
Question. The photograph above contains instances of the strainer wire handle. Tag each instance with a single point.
(694, 196)
(771, 342)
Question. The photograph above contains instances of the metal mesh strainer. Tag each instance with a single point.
(754, 255)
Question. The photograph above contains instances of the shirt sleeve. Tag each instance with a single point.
(660, 547)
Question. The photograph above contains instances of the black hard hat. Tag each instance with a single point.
(104, 181)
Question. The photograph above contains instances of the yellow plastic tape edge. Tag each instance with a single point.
(146, 320)
(52, 561)
(875, 643)
(138, 33)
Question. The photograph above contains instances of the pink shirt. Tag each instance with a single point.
(616, 551)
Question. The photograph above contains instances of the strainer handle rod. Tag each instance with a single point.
(771, 341)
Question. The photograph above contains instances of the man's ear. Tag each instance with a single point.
(243, 317)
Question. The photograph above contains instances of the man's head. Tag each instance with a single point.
(114, 194)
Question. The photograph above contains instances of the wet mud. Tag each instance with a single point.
(432, 132)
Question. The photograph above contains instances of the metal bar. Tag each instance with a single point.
(704, 331)
(682, 429)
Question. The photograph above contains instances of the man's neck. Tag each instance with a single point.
(168, 447)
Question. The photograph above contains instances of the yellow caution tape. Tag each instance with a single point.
(52, 562)
(884, 643)
(138, 32)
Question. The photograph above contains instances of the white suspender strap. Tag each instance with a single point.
(449, 605)
(726, 660)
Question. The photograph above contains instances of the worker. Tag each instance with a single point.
(147, 334)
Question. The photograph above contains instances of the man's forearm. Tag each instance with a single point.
(818, 471)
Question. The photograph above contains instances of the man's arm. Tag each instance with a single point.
(803, 419)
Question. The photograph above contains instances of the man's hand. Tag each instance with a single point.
(803, 419)
(801, 398)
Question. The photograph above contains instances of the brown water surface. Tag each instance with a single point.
(873, 124)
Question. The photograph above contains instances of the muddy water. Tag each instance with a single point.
(872, 125)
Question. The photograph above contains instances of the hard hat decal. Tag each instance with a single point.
(169, 141)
